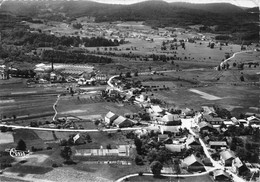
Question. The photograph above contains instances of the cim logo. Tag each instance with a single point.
(18, 153)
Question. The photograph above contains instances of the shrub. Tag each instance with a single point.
(55, 165)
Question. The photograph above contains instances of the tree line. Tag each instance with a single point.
(72, 57)
(21, 37)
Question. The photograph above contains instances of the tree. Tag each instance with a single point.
(128, 74)
(139, 160)
(138, 144)
(156, 168)
(136, 73)
(242, 79)
(66, 153)
(177, 166)
(21, 145)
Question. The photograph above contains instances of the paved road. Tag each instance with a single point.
(70, 130)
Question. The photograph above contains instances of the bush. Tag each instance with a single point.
(55, 165)
(140, 173)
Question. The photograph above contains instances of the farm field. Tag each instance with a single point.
(236, 99)
(84, 106)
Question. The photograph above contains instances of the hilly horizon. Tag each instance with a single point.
(227, 17)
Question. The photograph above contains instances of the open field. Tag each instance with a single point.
(6, 138)
(84, 106)
(237, 99)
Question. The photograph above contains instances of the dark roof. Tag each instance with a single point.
(119, 120)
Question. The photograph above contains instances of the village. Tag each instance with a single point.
(181, 141)
(83, 99)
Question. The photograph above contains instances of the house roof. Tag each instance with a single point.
(208, 117)
(192, 140)
(167, 118)
(219, 143)
(217, 119)
(119, 120)
(220, 172)
(204, 124)
(227, 154)
(174, 147)
(122, 148)
(237, 162)
(191, 160)
(110, 115)
(163, 137)
(253, 118)
(156, 108)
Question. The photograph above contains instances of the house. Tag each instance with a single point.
(192, 142)
(227, 157)
(123, 150)
(162, 138)
(110, 118)
(175, 147)
(187, 112)
(156, 110)
(192, 163)
(122, 122)
(212, 120)
(218, 144)
(205, 127)
(239, 167)
(170, 120)
(220, 175)
(253, 120)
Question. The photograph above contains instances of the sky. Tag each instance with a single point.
(245, 3)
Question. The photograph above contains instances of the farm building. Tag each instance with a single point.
(122, 122)
(192, 163)
(212, 120)
(218, 144)
(253, 120)
(175, 147)
(220, 175)
(238, 166)
(205, 127)
(122, 150)
(110, 118)
(227, 157)
(192, 142)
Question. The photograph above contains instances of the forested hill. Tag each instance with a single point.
(228, 18)
(147, 10)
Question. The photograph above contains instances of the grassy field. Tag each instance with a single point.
(236, 99)
(205, 178)
(84, 107)
(29, 137)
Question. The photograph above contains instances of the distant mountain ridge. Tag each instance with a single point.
(156, 13)
(88, 7)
